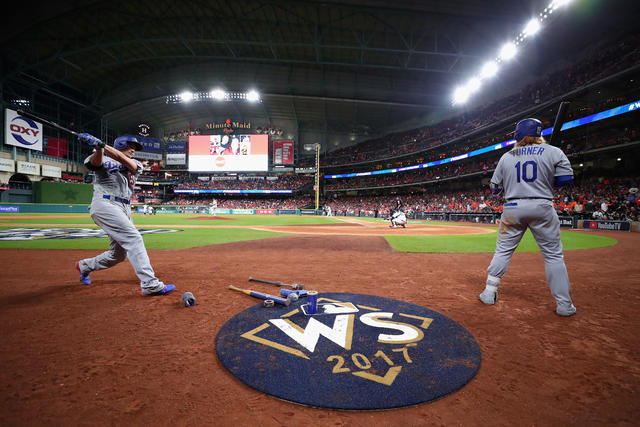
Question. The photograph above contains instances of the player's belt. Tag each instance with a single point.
(116, 199)
(528, 198)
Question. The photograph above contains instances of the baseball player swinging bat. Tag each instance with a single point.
(295, 286)
(261, 295)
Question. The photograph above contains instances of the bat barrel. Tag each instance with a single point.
(45, 122)
(557, 126)
(253, 279)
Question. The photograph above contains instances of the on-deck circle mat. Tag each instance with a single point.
(360, 352)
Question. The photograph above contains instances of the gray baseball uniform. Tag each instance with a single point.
(528, 175)
(110, 210)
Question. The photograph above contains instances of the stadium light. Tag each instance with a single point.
(460, 95)
(253, 96)
(489, 70)
(532, 27)
(186, 96)
(473, 85)
(218, 94)
(508, 51)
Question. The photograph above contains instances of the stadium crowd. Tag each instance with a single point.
(596, 198)
(593, 198)
(295, 202)
(483, 164)
(283, 182)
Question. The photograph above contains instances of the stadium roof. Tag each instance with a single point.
(327, 71)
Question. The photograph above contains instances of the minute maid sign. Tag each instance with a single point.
(359, 352)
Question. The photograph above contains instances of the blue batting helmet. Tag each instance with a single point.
(528, 127)
(121, 142)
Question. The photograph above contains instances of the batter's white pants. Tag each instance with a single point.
(125, 241)
(539, 216)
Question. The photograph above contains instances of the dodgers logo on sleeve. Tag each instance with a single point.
(359, 352)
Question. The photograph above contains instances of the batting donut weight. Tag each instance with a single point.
(268, 303)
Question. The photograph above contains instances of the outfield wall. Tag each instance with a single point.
(486, 218)
(42, 208)
(62, 192)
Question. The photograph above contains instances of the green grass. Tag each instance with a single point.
(194, 237)
(182, 219)
(487, 243)
(187, 238)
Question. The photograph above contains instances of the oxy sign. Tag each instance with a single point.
(22, 131)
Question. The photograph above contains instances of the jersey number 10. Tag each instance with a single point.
(527, 171)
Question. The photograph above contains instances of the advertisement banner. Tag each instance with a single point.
(9, 209)
(243, 211)
(607, 225)
(283, 152)
(144, 155)
(565, 221)
(51, 171)
(176, 159)
(22, 132)
(150, 145)
(265, 211)
(310, 212)
(7, 165)
(176, 147)
(28, 168)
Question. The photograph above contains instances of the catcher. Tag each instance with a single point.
(398, 219)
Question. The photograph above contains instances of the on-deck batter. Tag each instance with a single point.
(528, 174)
(116, 173)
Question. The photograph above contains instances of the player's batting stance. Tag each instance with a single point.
(528, 174)
(115, 175)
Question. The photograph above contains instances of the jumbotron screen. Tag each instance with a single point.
(228, 153)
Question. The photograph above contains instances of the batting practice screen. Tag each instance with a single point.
(222, 153)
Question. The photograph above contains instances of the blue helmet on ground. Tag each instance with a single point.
(528, 127)
(121, 142)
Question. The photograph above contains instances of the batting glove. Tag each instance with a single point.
(91, 140)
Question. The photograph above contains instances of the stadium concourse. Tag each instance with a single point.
(297, 110)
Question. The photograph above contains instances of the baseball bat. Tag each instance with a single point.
(262, 295)
(46, 122)
(557, 125)
(291, 285)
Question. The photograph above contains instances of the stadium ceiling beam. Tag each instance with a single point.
(352, 100)
(190, 54)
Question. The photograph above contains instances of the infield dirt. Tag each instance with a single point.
(103, 355)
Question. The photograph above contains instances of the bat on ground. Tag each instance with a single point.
(261, 295)
(557, 126)
(46, 122)
(295, 286)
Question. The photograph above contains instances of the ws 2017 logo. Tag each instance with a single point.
(359, 352)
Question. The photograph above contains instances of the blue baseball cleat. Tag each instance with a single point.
(84, 278)
(167, 289)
